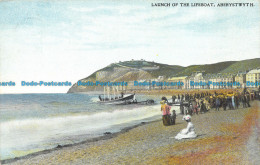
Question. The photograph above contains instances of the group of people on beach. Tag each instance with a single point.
(167, 118)
(203, 102)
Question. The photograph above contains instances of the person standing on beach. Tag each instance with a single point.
(165, 113)
(237, 101)
(173, 99)
(202, 107)
(233, 101)
(211, 102)
(248, 99)
(217, 103)
(181, 108)
(182, 97)
(244, 101)
(224, 104)
(194, 106)
(229, 101)
(173, 117)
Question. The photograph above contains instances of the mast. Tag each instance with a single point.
(114, 91)
(104, 93)
(117, 92)
(108, 92)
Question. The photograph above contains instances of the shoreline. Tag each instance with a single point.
(222, 137)
(169, 92)
(105, 136)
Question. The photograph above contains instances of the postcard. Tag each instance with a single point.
(129, 82)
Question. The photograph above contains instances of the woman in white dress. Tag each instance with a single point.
(188, 132)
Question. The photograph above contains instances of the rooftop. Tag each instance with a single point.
(254, 71)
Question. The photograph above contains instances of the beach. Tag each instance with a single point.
(224, 137)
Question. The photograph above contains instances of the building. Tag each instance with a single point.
(253, 76)
(240, 78)
(196, 77)
(176, 81)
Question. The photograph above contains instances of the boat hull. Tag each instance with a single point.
(124, 100)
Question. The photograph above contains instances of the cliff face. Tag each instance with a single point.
(112, 76)
(145, 70)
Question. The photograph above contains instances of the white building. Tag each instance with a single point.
(253, 76)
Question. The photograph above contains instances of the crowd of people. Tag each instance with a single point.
(203, 102)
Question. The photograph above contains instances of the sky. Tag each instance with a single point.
(67, 40)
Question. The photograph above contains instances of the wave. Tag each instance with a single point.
(48, 132)
(94, 99)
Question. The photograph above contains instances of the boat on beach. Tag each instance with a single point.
(121, 98)
(116, 97)
(124, 99)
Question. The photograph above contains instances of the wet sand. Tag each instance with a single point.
(225, 137)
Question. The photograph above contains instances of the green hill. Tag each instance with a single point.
(242, 66)
(145, 70)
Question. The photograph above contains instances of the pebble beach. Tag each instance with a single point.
(224, 137)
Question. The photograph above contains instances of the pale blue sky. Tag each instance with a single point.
(68, 40)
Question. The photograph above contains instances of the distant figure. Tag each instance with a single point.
(173, 99)
(165, 99)
(237, 101)
(100, 98)
(233, 101)
(166, 115)
(194, 106)
(229, 102)
(182, 97)
(247, 100)
(188, 132)
(203, 108)
(224, 104)
(181, 108)
(244, 101)
(217, 104)
(173, 117)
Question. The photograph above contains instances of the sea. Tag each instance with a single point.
(35, 122)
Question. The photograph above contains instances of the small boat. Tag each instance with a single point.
(124, 99)
(116, 97)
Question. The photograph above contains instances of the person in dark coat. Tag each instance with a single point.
(173, 99)
(229, 102)
(237, 102)
(217, 104)
(247, 100)
(244, 101)
(182, 97)
(224, 103)
(181, 108)
(203, 108)
(173, 117)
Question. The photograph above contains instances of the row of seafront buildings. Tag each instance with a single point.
(239, 80)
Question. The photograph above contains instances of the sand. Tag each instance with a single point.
(225, 137)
